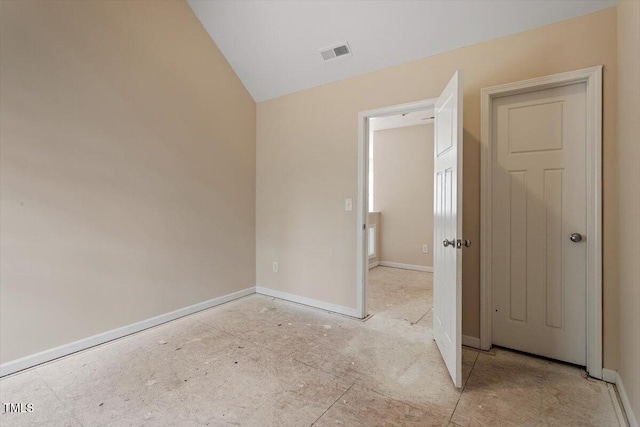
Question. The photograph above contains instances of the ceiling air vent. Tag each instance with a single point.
(335, 51)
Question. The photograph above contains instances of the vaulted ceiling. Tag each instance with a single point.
(273, 45)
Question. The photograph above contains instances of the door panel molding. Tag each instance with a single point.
(592, 77)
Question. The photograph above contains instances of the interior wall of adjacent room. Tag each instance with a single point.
(629, 178)
(373, 220)
(403, 193)
(307, 156)
(127, 169)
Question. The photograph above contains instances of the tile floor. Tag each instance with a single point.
(259, 361)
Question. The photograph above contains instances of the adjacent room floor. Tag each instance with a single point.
(259, 361)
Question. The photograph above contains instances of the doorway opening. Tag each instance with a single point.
(400, 216)
(370, 245)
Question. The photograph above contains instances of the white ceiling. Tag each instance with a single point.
(414, 118)
(273, 45)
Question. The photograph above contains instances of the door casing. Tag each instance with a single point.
(592, 77)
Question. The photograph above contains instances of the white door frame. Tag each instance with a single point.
(593, 79)
(362, 209)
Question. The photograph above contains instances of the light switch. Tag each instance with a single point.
(348, 204)
(425, 249)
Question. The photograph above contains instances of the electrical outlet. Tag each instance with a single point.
(275, 266)
(425, 249)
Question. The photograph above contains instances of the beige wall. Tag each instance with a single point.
(128, 169)
(629, 178)
(307, 160)
(403, 193)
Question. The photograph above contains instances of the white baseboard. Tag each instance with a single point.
(347, 311)
(469, 341)
(609, 375)
(406, 266)
(374, 264)
(631, 417)
(85, 343)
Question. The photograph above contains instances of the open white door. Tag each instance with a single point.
(448, 244)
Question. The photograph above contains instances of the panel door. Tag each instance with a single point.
(538, 223)
(447, 221)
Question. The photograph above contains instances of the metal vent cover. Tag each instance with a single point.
(335, 51)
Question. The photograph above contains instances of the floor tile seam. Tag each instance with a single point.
(314, 368)
(283, 392)
(320, 369)
(382, 394)
(464, 386)
(334, 402)
(63, 401)
(421, 317)
(354, 367)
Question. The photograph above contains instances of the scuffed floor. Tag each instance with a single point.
(259, 361)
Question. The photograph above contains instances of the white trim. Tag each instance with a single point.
(406, 266)
(609, 375)
(362, 208)
(593, 79)
(347, 311)
(469, 341)
(415, 121)
(374, 264)
(626, 403)
(617, 406)
(13, 366)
